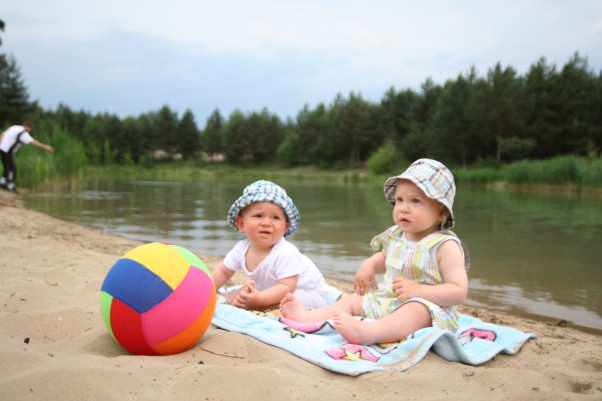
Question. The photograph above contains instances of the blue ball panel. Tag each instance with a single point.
(135, 285)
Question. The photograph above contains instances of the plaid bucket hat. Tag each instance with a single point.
(265, 191)
(434, 179)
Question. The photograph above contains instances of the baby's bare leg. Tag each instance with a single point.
(394, 327)
(292, 309)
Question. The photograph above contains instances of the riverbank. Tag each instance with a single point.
(564, 174)
(54, 344)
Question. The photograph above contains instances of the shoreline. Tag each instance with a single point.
(55, 346)
(555, 314)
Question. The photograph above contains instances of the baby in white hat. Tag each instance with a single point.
(423, 266)
(275, 267)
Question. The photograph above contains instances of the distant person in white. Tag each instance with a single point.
(11, 141)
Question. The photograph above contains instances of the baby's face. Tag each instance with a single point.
(414, 212)
(263, 222)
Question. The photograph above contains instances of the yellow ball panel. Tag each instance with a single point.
(162, 260)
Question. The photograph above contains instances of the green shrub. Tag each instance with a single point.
(386, 160)
(485, 175)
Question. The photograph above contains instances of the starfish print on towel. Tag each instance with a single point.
(479, 333)
(351, 352)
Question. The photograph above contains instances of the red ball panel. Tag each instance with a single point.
(127, 329)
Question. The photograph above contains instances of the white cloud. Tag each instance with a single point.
(277, 54)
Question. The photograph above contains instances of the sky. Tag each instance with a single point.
(130, 57)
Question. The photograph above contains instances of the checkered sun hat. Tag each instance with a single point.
(265, 191)
(434, 179)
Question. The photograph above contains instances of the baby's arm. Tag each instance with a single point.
(220, 275)
(453, 290)
(365, 277)
(251, 298)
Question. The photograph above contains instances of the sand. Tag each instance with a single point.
(54, 345)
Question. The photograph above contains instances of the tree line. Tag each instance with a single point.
(471, 120)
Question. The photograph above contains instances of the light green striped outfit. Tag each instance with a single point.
(414, 261)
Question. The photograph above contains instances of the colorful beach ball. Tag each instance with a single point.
(158, 299)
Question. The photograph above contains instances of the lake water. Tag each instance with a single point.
(532, 254)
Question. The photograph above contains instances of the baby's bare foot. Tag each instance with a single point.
(352, 329)
(292, 309)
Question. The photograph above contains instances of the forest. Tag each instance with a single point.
(472, 121)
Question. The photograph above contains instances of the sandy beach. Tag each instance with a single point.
(54, 345)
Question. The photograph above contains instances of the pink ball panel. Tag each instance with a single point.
(188, 337)
(180, 309)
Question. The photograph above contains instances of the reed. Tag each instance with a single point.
(481, 176)
(189, 170)
(562, 170)
(36, 166)
(566, 170)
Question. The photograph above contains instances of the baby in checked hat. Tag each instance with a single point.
(265, 214)
(422, 261)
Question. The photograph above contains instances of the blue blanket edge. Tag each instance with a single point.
(459, 347)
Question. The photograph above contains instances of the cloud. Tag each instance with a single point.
(131, 57)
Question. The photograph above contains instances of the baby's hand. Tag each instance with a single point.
(248, 287)
(248, 296)
(364, 279)
(405, 289)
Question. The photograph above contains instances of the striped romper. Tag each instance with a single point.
(414, 261)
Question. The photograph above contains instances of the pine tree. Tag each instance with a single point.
(1, 29)
(188, 136)
(211, 138)
(14, 99)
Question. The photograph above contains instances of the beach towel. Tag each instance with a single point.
(474, 343)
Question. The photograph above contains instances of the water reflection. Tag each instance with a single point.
(531, 253)
(544, 245)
